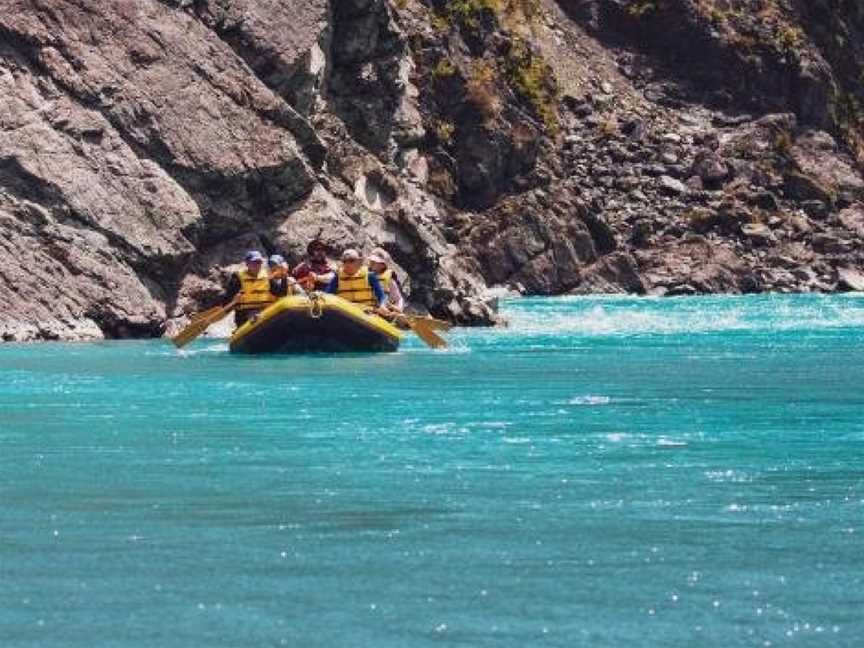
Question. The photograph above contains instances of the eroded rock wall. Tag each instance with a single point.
(145, 144)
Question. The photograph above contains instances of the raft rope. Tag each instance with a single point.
(316, 305)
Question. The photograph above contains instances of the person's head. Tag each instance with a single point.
(277, 261)
(278, 265)
(351, 261)
(379, 260)
(316, 250)
(253, 260)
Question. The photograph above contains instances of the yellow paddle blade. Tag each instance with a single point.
(200, 324)
(422, 328)
(190, 333)
(432, 323)
(197, 317)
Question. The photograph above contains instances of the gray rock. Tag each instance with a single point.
(850, 279)
(803, 187)
(724, 120)
(671, 186)
(711, 169)
(800, 224)
(681, 289)
(758, 233)
(764, 200)
(831, 244)
(583, 110)
(602, 235)
(852, 219)
(694, 183)
(815, 208)
(616, 272)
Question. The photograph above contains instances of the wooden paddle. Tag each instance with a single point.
(207, 313)
(431, 322)
(423, 326)
(201, 322)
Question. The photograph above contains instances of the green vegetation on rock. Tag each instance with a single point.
(533, 80)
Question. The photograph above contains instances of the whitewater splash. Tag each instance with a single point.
(627, 315)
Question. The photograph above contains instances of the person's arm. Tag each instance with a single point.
(375, 284)
(301, 270)
(231, 289)
(326, 278)
(395, 298)
(333, 286)
(279, 286)
(304, 276)
(294, 288)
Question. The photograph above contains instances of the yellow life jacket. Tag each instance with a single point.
(254, 291)
(386, 277)
(356, 288)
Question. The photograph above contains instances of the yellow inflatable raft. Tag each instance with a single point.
(319, 322)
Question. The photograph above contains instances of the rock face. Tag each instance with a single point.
(548, 147)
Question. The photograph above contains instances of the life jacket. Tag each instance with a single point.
(254, 291)
(386, 277)
(356, 288)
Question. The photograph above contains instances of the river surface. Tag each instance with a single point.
(605, 472)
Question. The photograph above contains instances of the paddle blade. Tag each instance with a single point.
(200, 324)
(210, 312)
(435, 324)
(422, 328)
(189, 333)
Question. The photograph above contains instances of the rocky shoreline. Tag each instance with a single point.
(546, 147)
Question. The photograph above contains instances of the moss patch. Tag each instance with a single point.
(532, 79)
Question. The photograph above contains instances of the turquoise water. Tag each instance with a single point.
(605, 472)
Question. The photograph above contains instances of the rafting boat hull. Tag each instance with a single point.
(320, 323)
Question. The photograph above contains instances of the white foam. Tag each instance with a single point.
(221, 347)
(589, 400)
(626, 315)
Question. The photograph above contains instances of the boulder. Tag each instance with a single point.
(711, 169)
(758, 233)
(799, 186)
(850, 279)
(852, 219)
(831, 244)
(617, 272)
(671, 186)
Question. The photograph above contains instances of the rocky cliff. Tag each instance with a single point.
(664, 147)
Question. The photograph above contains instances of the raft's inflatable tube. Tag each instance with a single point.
(320, 322)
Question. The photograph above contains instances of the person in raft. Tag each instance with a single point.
(381, 264)
(281, 281)
(356, 283)
(315, 273)
(252, 284)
